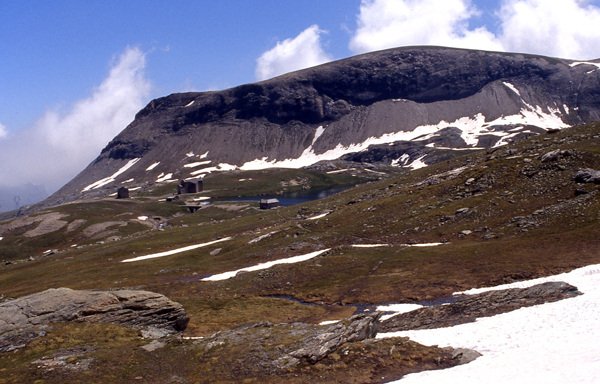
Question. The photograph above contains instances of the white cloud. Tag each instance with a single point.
(62, 143)
(3, 131)
(565, 28)
(393, 23)
(303, 51)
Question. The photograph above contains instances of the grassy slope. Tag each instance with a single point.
(507, 241)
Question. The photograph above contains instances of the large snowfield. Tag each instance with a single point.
(551, 343)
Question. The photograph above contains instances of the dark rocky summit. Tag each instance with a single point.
(470, 307)
(21, 319)
(354, 99)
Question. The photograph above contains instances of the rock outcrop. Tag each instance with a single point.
(21, 319)
(296, 342)
(470, 307)
(588, 176)
(318, 345)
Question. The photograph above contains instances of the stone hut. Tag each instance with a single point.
(190, 186)
(268, 203)
(123, 193)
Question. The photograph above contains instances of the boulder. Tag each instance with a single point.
(588, 175)
(321, 344)
(555, 155)
(138, 309)
(470, 307)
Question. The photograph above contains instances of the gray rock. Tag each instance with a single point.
(462, 211)
(357, 328)
(465, 355)
(62, 360)
(470, 307)
(12, 340)
(588, 176)
(153, 346)
(133, 308)
(555, 155)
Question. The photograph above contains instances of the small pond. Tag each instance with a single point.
(293, 198)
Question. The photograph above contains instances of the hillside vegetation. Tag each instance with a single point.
(499, 215)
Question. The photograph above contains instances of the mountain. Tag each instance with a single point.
(422, 99)
(257, 285)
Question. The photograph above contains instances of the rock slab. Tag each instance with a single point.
(128, 307)
(468, 308)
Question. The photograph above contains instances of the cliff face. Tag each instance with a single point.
(450, 97)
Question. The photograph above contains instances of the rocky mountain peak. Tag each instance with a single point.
(432, 96)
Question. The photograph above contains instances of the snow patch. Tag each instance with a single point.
(418, 163)
(190, 103)
(143, 218)
(259, 238)
(290, 260)
(189, 154)
(339, 171)
(369, 245)
(318, 134)
(219, 168)
(329, 322)
(196, 164)
(127, 181)
(162, 177)
(204, 155)
(396, 309)
(175, 251)
(152, 166)
(471, 127)
(512, 88)
(402, 160)
(110, 179)
(318, 216)
(584, 63)
(550, 343)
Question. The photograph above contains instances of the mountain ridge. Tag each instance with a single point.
(328, 111)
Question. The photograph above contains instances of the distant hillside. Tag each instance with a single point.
(435, 99)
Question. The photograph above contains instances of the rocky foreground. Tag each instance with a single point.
(24, 319)
(346, 351)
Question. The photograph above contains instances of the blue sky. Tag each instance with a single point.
(74, 73)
